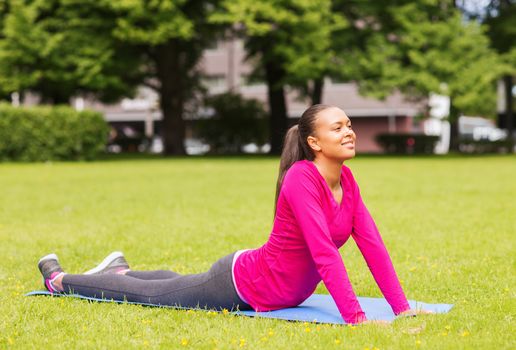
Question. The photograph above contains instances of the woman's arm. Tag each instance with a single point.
(305, 202)
(368, 239)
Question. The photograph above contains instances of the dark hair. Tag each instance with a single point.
(295, 146)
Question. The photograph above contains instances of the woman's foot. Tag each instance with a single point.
(52, 273)
(113, 263)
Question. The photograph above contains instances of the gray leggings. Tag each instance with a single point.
(213, 289)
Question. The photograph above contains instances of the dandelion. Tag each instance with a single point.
(10, 341)
(271, 332)
(242, 342)
(444, 334)
(307, 329)
(318, 328)
(184, 342)
(145, 343)
(264, 339)
(337, 341)
(447, 327)
(225, 311)
(465, 334)
(418, 342)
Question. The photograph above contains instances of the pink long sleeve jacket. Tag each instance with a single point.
(302, 249)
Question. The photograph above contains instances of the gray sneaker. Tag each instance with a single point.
(113, 263)
(49, 268)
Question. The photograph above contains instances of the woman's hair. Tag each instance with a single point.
(295, 146)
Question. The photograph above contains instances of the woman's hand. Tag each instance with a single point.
(414, 312)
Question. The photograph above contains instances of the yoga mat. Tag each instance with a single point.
(319, 308)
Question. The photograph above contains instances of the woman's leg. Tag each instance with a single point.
(212, 289)
(152, 275)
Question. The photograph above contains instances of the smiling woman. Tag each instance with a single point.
(318, 207)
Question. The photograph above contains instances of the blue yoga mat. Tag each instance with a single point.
(319, 308)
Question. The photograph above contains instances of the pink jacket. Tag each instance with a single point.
(309, 228)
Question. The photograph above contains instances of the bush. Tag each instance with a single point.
(236, 122)
(484, 146)
(407, 143)
(50, 133)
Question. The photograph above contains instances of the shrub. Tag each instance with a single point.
(484, 146)
(407, 143)
(236, 122)
(44, 133)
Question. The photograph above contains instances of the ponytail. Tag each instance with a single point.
(295, 146)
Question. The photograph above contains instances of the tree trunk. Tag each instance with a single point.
(454, 127)
(171, 97)
(317, 90)
(509, 117)
(277, 105)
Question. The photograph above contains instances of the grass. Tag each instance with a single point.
(449, 224)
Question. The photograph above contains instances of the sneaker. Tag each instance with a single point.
(50, 269)
(113, 263)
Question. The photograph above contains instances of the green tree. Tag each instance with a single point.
(500, 20)
(61, 47)
(171, 35)
(57, 49)
(426, 46)
(289, 40)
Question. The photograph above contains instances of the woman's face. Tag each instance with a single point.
(333, 137)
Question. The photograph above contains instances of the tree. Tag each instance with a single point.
(60, 47)
(289, 40)
(500, 19)
(426, 47)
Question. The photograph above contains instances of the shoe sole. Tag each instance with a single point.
(108, 260)
(48, 257)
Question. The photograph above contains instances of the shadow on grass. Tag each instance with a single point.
(110, 157)
(147, 156)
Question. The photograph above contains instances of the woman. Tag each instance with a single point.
(318, 207)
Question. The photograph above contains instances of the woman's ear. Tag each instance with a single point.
(312, 142)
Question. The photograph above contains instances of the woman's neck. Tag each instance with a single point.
(330, 171)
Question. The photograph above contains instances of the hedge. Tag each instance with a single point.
(236, 121)
(407, 143)
(484, 146)
(44, 133)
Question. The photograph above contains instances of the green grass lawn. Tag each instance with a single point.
(449, 224)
